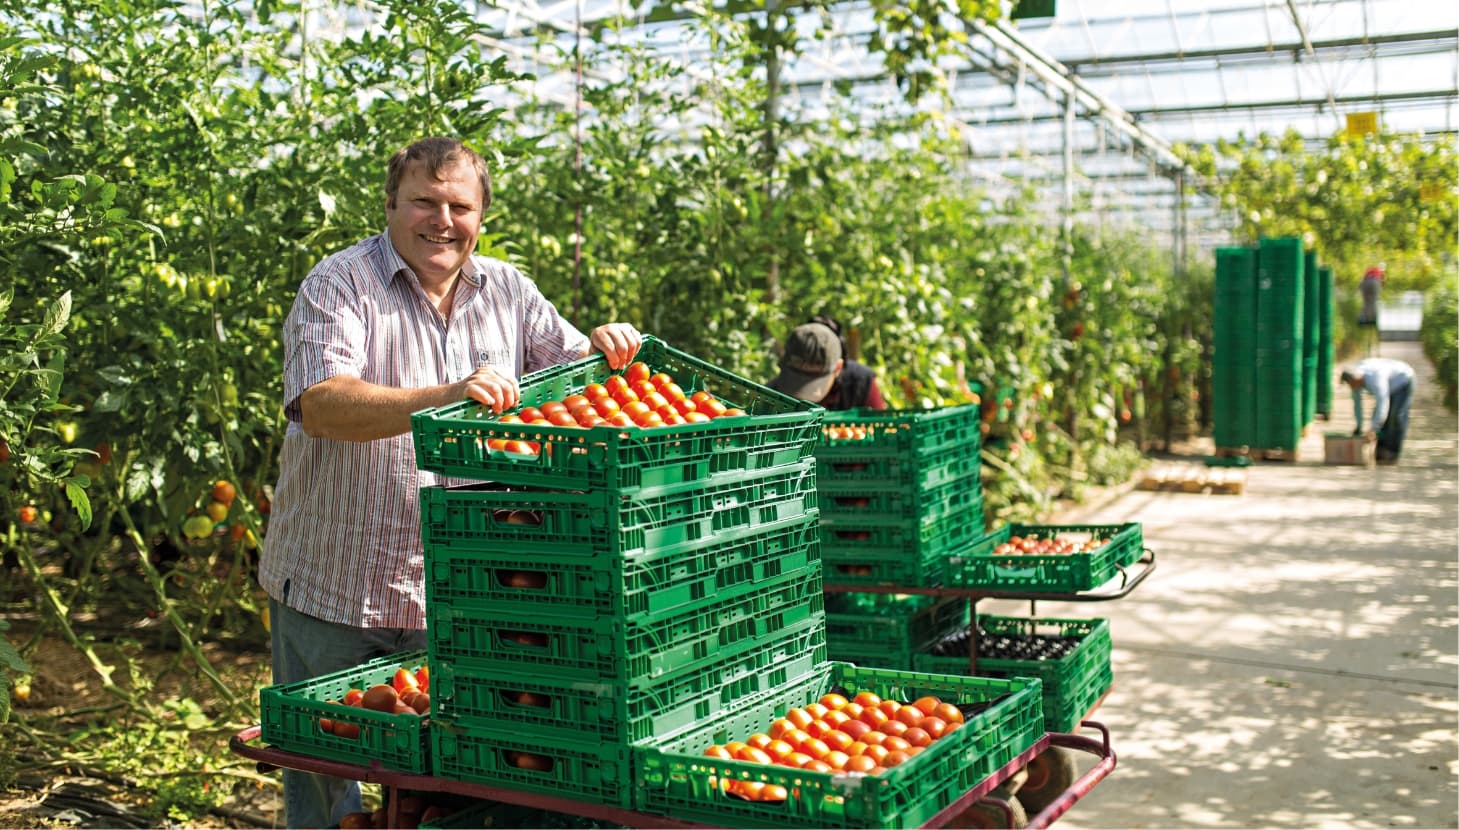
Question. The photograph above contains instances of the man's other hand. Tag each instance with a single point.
(618, 342)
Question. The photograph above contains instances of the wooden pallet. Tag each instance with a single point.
(1259, 454)
(1188, 477)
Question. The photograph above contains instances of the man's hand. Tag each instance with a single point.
(618, 342)
(1370, 437)
(491, 388)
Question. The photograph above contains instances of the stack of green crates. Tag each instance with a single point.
(898, 489)
(1325, 352)
(1233, 348)
(1312, 298)
(1280, 307)
(887, 630)
(1271, 344)
(617, 586)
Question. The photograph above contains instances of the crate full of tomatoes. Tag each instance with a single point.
(1045, 558)
(378, 711)
(670, 418)
(842, 747)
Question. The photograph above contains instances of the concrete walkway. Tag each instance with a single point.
(1292, 660)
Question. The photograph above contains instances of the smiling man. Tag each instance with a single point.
(405, 320)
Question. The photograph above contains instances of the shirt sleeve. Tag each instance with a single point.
(874, 400)
(324, 336)
(1378, 383)
(548, 338)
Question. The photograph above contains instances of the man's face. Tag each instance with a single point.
(433, 223)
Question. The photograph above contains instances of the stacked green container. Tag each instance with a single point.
(888, 630)
(1325, 355)
(899, 488)
(1233, 367)
(1312, 298)
(1280, 307)
(618, 584)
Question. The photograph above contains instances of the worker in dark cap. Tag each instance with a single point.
(814, 368)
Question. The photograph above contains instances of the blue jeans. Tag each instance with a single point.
(1395, 426)
(305, 647)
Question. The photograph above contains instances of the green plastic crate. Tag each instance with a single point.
(777, 429)
(978, 566)
(900, 432)
(908, 504)
(648, 584)
(900, 658)
(289, 715)
(548, 707)
(521, 636)
(851, 471)
(866, 622)
(897, 553)
(581, 770)
(600, 523)
(588, 768)
(674, 777)
(1072, 684)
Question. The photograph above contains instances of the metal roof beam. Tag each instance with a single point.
(1320, 104)
(1442, 40)
(1096, 107)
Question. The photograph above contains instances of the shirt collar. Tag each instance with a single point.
(395, 265)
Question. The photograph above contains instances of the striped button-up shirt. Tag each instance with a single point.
(344, 540)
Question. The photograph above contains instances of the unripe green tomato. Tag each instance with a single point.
(194, 289)
(67, 431)
(229, 394)
(197, 527)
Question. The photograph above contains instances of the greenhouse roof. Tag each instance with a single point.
(1142, 75)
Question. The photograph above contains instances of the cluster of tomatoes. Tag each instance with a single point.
(846, 432)
(1048, 546)
(864, 735)
(638, 397)
(407, 693)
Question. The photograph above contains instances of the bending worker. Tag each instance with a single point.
(1391, 383)
(814, 368)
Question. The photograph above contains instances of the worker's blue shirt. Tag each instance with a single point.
(1382, 376)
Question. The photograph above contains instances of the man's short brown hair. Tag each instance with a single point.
(436, 154)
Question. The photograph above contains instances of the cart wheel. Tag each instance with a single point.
(1050, 773)
(985, 815)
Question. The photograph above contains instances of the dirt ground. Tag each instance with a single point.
(48, 794)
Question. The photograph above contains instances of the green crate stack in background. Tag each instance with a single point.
(1279, 311)
(618, 585)
(1269, 343)
(898, 489)
(1311, 299)
(1325, 348)
(1233, 358)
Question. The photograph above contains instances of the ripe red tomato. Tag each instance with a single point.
(403, 681)
(27, 514)
(594, 391)
(637, 371)
(531, 415)
(381, 697)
